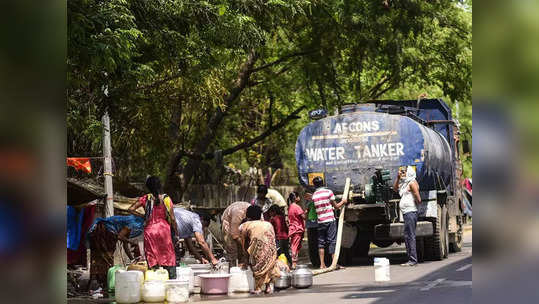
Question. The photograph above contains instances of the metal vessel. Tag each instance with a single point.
(284, 281)
(302, 277)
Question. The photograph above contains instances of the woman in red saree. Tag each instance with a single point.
(159, 220)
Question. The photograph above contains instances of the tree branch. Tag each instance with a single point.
(248, 143)
(160, 82)
(281, 71)
(284, 58)
(372, 91)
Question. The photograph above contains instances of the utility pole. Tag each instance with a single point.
(107, 151)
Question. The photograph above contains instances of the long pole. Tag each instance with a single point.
(107, 151)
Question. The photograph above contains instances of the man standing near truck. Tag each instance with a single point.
(408, 189)
(324, 202)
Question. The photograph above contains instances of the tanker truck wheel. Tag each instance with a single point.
(383, 243)
(363, 243)
(437, 245)
(456, 246)
(420, 248)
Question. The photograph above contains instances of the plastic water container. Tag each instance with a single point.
(153, 291)
(241, 280)
(157, 275)
(128, 286)
(140, 266)
(381, 269)
(177, 291)
(186, 273)
(111, 276)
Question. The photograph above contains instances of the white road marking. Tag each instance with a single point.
(432, 284)
(457, 283)
(464, 267)
(376, 291)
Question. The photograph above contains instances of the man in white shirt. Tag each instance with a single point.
(408, 189)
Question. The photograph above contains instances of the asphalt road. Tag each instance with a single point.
(447, 281)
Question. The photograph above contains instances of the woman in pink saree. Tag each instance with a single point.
(159, 221)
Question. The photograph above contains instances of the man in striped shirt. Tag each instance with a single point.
(324, 202)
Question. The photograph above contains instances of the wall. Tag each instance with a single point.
(220, 196)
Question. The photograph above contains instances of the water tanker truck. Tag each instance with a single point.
(368, 143)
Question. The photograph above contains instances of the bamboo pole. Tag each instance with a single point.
(339, 233)
(107, 155)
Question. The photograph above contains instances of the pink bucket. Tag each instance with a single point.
(214, 283)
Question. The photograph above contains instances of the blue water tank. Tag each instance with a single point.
(354, 144)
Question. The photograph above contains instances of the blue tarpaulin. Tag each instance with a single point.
(74, 224)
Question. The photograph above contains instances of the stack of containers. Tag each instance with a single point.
(186, 273)
(154, 289)
(199, 269)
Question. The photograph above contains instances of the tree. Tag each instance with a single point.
(187, 81)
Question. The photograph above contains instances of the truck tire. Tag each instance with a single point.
(420, 248)
(346, 256)
(382, 243)
(445, 226)
(363, 244)
(456, 246)
(436, 246)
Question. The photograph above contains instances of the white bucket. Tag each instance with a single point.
(381, 269)
(177, 291)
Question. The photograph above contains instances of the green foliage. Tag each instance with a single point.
(162, 68)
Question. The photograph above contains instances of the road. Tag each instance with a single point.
(447, 281)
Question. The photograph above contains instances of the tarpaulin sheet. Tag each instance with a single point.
(74, 225)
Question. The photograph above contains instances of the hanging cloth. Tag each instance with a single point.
(74, 225)
(80, 163)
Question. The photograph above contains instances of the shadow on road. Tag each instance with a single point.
(444, 285)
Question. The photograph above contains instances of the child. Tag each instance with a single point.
(296, 219)
(278, 221)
